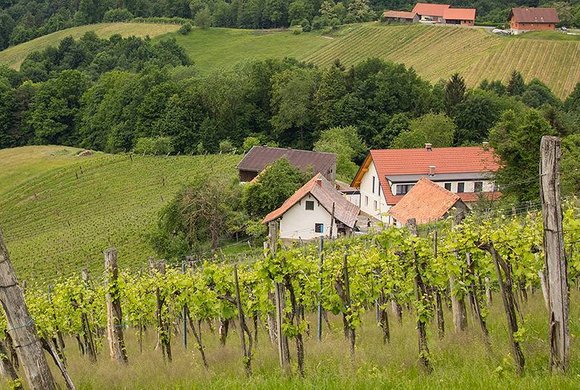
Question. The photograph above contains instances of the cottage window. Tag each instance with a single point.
(319, 228)
(402, 189)
(478, 186)
(376, 205)
(373, 185)
(309, 205)
(461, 187)
(448, 186)
(366, 200)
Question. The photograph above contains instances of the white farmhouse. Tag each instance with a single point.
(309, 212)
(387, 175)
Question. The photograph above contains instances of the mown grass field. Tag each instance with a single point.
(460, 361)
(435, 52)
(13, 56)
(59, 211)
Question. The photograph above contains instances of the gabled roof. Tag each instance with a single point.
(459, 14)
(465, 159)
(430, 9)
(399, 14)
(261, 156)
(534, 15)
(426, 202)
(325, 193)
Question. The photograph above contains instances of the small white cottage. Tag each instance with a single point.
(316, 209)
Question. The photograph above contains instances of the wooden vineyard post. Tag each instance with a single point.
(555, 256)
(184, 312)
(87, 330)
(348, 306)
(280, 300)
(114, 313)
(422, 299)
(504, 278)
(475, 300)
(457, 300)
(21, 326)
(320, 265)
(163, 329)
(438, 300)
(243, 327)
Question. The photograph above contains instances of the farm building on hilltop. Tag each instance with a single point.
(430, 12)
(387, 175)
(400, 17)
(533, 19)
(461, 16)
(315, 210)
(259, 157)
(426, 202)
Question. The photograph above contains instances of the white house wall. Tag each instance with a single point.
(298, 223)
(373, 203)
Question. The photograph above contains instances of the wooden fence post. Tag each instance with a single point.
(280, 300)
(554, 251)
(21, 326)
(320, 265)
(438, 301)
(163, 328)
(243, 327)
(114, 313)
(457, 298)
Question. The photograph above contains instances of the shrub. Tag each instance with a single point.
(226, 146)
(153, 145)
(117, 15)
(305, 25)
(185, 29)
(250, 142)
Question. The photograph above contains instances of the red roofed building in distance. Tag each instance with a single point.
(461, 16)
(426, 202)
(533, 19)
(387, 175)
(430, 12)
(400, 17)
(309, 212)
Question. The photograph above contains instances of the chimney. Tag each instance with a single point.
(429, 147)
(319, 182)
(485, 145)
(431, 170)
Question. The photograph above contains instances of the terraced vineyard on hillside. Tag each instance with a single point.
(58, 220)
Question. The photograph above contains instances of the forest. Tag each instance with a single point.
(23, 20)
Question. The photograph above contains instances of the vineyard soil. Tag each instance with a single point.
(460, 361)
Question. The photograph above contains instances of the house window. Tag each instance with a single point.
(366, 200)
(448, 186)
(379, 190)
(478, 186)
(309, 205)
(373, 184)
(460, 187)
(376, 206)
(319, 228)
(402, 189)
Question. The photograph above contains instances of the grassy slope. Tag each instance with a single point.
(14, 56)
(59, 211)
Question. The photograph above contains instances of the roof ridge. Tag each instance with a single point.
(438, 187)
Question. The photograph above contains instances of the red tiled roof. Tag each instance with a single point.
(326, 194)
(399, 14)
(534, 15)
(459, 14)
(430, 9)
(261, 156)
(426, 202)
(466, 159)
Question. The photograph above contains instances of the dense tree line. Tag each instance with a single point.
(121, 95)
(22, 20)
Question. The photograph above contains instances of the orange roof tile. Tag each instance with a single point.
(459, 14)
(430, 9)
(327, 195)
(466, 159)
(426, 202)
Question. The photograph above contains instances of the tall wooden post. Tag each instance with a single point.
(421, 297)
(555, 256)
(114, 313)
(21, 326)
(280, 300)
(247, 354)
(320, 265)
(184, 312)
(457, 298)
(438, 301)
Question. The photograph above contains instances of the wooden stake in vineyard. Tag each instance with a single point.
(555, 256)
(163, 328)
(320, 265)
(457, 297)
(247, 351)
(114, 313)
(21, 326)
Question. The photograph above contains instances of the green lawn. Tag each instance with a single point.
(59, 212)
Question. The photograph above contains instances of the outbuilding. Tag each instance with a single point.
(533, 19)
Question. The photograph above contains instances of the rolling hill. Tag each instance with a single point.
(59, 211)
(434, 51)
